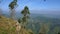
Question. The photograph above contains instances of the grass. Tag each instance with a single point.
(7, 27)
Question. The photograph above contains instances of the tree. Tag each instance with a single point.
(12, 7)
(25, 14)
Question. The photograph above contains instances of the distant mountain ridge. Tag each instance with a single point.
(46, 13)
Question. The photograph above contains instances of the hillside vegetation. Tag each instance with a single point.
(7, 27)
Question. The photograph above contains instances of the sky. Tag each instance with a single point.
(33, 4)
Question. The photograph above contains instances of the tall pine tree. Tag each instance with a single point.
(12, 7)
(25, 12)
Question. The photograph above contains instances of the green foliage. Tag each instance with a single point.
(13, 4)
(25, 12)
(24, 19)
(19, 20)
(12, 7)
(7, 27)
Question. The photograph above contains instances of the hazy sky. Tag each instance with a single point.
(33, 4)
